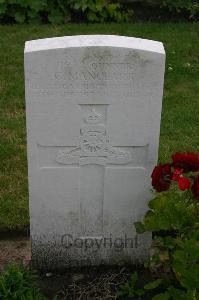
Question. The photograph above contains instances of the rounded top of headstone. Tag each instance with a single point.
(92, 41)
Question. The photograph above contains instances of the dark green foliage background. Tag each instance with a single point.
(64, 11)
(61, 11)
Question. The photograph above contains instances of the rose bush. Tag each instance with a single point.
(183, 183)
(161, 177)
(186, 161)
(182, 163)
(173, 218)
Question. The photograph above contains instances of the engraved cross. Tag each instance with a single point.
(93, 154)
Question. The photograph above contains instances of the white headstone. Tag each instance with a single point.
(93, 117)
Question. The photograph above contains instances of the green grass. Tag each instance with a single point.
(180, 117)
(17, 282)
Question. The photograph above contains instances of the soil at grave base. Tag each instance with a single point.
(14, 250)
(91, 283)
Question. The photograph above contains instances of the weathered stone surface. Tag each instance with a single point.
(93, 108)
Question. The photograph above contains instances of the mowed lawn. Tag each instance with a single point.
(180, 115)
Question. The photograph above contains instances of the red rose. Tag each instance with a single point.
(176, 174)
(186, 161)
(183, 183)
(161, 176)
(195, 187)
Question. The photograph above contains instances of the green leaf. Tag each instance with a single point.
(158, 202)
(99, 6)
(112, 7)
(140, 228)
(155, 259)
(164, 223)
(92, 16)
(78, 6)
(34, 17)
(191, 295)
(23, 3)
(38, 5)
(56, 16)
(139, 292)
(83, 7)
(179, 255)
(20, 17)
(191, 246)
(176, 294)
(134, 278)
(162, 296)
(189, 279)
(3, 8)
(169, 242)
(153, 285)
